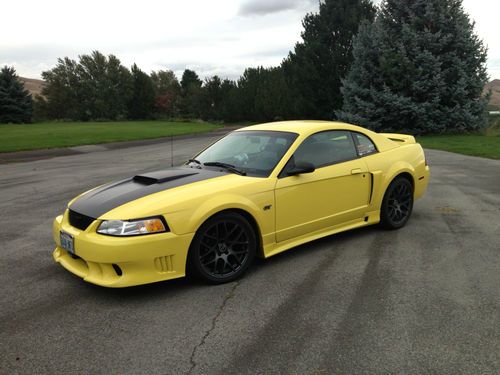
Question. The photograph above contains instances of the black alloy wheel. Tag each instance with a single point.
(397, 204)
(223, 248)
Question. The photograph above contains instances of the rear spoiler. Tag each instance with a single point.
(400, 138)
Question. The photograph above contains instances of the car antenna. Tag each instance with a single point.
(171, 150)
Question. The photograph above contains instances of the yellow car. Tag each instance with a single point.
(258, 191)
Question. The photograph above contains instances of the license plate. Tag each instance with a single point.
(67, 242)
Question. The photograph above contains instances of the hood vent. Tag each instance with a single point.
(79, 221)
(161, 176)
(97, 202)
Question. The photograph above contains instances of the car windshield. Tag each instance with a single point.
(254, 153)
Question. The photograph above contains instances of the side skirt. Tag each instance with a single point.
(370, 218)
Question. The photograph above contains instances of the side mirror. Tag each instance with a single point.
(300, 168)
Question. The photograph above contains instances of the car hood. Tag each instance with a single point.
(98, 201)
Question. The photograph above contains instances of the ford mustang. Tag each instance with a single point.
(258, 191)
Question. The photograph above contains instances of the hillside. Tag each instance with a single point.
(494, 86)
(34, 86)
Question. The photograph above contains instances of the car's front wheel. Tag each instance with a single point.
(397, 204)
(222, 249)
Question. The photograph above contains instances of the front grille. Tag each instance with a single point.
(79, 221)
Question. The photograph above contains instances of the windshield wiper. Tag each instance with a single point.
(229, 167)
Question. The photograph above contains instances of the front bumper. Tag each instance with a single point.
(121, 261)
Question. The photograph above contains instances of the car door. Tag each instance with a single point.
(336, 192)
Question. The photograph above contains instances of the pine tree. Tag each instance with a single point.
(16, 103)
(419, 68)
(317, 65)
(231, 102)
(263, 94)
(211, 99)
(141, 104)
(272, 99)
(191, 94)
(190, 79)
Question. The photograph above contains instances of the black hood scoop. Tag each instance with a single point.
(107, 197)
(160, 177)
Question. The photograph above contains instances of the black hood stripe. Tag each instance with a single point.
(99, 201)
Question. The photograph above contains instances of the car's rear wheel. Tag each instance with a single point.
(222, 249)
(397, 204)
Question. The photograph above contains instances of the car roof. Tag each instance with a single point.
(307, 127)
(304, 127)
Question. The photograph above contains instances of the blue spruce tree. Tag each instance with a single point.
(418, 68)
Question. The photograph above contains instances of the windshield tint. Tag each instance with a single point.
(254, 152)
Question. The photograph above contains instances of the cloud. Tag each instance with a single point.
(222, 37)
(264, 7)
(494, 68)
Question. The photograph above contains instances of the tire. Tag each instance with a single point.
(222, 249)
(397, 204)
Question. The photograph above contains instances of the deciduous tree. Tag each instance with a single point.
(94, 88)
(167, 93)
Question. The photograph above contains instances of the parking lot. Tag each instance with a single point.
(422, 299)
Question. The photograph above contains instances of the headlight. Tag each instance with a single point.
(132, 227)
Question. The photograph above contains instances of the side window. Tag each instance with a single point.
(364, 145)
(324, 148)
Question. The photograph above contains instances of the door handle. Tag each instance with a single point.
(356, 171)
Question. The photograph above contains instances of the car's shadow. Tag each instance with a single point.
(176, 287)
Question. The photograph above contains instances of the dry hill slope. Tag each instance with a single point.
(494, 86)
(34, 86)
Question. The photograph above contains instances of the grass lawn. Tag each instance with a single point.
(64, 134)
(476, 145)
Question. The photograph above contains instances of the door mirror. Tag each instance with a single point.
(300, 168)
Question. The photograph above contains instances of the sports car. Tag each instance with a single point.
(258, 191)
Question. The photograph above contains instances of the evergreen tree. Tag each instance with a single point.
(191, 94)
(230, 107)
(264, 94)
(248, 87)
(190, 79)
(272, 101)
(211, 99)
(16, 103)
(317, 65)
(141, 104)
(419, 68)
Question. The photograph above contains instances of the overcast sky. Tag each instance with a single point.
(212, 37)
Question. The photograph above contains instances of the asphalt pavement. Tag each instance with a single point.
(423, 299)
